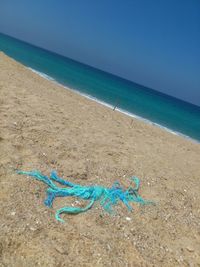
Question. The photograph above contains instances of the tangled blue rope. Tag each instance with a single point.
(107, 196)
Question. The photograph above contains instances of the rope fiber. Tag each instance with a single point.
(107, 197)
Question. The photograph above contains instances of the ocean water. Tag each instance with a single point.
(135, 100)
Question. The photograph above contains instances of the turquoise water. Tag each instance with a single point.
(149, 104)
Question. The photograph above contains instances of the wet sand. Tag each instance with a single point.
(45, 126)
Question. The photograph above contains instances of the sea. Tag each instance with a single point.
(151, 106)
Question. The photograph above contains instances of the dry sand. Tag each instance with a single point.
(44, 126)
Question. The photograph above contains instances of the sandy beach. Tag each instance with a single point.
(46, 127)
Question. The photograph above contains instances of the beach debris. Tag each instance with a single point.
(106, 196)
(115, 106)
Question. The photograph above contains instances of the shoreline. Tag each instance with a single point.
(127, 113)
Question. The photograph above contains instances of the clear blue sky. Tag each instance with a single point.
(152, 42)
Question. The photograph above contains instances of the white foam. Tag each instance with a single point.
(41, 74)
(112, 107)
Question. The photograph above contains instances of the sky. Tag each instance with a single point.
(155, 43)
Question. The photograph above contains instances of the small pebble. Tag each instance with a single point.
(128, 218)
(108, 246)
(190, 249)
(13, 213)
(60, 249)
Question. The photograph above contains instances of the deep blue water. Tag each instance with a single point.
(154, 106)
